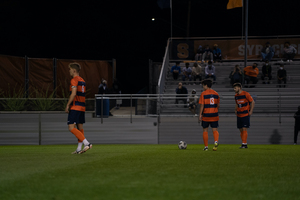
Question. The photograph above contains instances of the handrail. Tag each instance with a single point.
(163, 68)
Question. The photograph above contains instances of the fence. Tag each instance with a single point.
(50, 76)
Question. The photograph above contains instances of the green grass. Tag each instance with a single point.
(155, 172)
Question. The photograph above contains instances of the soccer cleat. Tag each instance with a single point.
(216, 146)
(87, 147)
(244, 146)
(77, 152)
(205, 149)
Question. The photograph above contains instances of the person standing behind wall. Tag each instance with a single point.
(297, 125)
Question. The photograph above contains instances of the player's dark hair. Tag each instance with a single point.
(238, 85)
(177, 62)
(75, 66)
(207, 82)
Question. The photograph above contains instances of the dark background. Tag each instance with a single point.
(102, 30)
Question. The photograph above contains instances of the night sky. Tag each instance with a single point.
(102, 30)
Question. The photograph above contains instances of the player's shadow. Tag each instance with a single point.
(275, 137)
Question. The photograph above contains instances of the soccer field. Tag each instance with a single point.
(150, 172)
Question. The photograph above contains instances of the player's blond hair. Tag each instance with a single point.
(75, 66)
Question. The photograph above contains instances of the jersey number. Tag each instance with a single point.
(212, 101)
(82, 89)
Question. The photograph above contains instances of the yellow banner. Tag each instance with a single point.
(234, 4)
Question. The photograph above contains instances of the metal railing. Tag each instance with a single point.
(266, 105)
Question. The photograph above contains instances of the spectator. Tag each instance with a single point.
(103, 89)
(236, 75)
(281, 76)
(251, 73)
(187, 72)
(267, 52)
(181, 90)
(210, 71)
(289, 52)
(176, 70)
(207, 54)
(217, 53)
(266, 73)
(196, 72)
(199, 53)
(192, 101)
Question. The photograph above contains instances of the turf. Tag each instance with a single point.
(150, 172)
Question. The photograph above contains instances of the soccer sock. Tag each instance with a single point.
(78, 134)
(85, 142)
(82, 131)
(205, 138)
(244, 137)
(79, 146)
(216, 136)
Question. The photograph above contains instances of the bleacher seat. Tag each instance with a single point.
(268, 96)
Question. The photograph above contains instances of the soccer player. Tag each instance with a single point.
(76, 108)
(209, 105)
(243, 109)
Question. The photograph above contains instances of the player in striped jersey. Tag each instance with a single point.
(209, 113)
(76, 108)
(243, 109)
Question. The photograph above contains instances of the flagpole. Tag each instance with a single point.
(246, 32)
(171, 20)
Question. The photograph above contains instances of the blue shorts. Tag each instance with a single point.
(212, 124)
(76, 117)
(243, 122)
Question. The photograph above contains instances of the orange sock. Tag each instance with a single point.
(241, 135)
(78, 134)
(244, 137)
(205, 138)
(82, 131)
(216, 135)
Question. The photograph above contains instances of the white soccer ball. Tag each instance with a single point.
(182, 145)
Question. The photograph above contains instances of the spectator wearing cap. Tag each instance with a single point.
(267, 52)
(192, 101)
(217, 53)
(176, 70)
(210, 71)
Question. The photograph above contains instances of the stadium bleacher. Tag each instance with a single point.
(269, 98)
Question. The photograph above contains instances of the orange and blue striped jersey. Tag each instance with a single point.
(243, 101)
(79, 100)
(210, 99)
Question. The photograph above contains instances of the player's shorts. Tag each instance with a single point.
(211, 124)
(243, 122)
(76, 117)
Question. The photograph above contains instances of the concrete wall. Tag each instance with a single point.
(24, 129)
